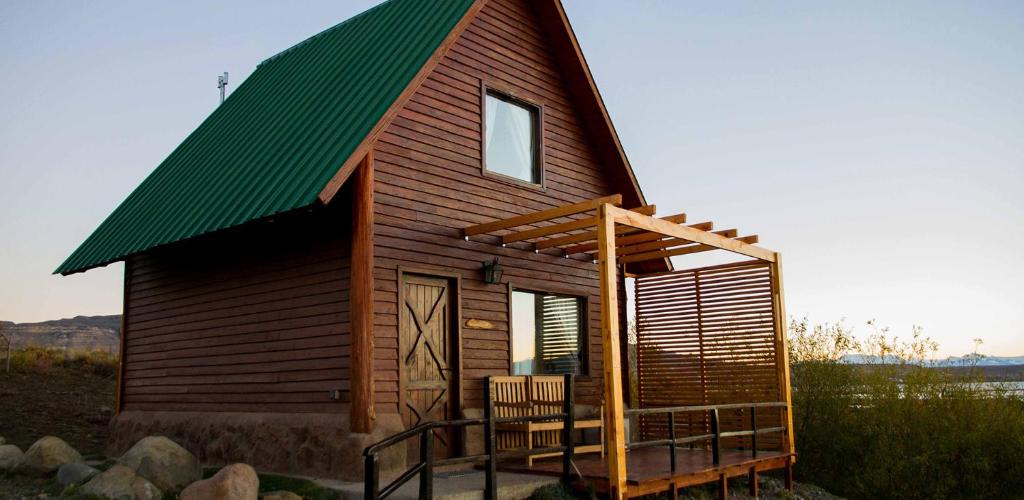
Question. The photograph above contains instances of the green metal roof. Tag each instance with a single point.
(281, 135)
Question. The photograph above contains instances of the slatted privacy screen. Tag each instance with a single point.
(707, 336)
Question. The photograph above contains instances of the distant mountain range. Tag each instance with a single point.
(80, 332)
(952, 361)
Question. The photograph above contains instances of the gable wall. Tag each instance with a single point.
(429, 185)
(252, 320)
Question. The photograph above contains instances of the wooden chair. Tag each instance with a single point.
(537, 395)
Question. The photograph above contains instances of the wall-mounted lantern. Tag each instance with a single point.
(493, 272)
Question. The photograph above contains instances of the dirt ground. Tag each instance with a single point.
(70, 404)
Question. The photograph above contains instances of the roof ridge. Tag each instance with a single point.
(323, 33)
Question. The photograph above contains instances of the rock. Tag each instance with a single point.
(162, 461)
(48, 454)
(122, 483)
(280, 495)
(234, 482)
(10, 457)
(2, 440)
(75, 474)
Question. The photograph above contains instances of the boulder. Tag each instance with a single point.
(163, 462)
(122, 483)
(75, 473)
(10, 457)
(234, 482)
(48, 454)
(2, 441)
(280, 495)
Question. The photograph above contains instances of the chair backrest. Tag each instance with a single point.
(547, 393)
(511, 396)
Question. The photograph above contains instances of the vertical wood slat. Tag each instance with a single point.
(361, 299)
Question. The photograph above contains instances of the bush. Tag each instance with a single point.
(553, 492)
(45, 359)
(893, 427)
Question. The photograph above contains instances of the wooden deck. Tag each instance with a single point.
(648, 469)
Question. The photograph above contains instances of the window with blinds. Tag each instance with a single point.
(547, 334)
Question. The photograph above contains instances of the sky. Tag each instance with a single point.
(878, 145)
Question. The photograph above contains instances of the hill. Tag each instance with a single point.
(80, 332)
(966, 360)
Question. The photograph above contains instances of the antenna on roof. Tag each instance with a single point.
(222, 83)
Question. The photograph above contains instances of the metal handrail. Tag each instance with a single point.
(716, 434)
(424, 468)
(728, 406)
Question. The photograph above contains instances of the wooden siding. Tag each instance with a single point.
(254, 319)
(430, 184)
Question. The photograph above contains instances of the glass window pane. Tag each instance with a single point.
(511, 139)
(523, 333)
(546, 334)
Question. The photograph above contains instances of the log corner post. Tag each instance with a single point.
(614, 428)
(122, 341)
(361, 298)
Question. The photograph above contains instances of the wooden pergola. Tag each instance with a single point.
(619, 239)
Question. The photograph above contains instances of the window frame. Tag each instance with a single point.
(585, 365)
(510, 96)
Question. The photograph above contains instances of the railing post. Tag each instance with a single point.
(568, 407)
(490, 443)
(371, 467)
(427, 459)
(753, 429)
(716, 440)
(672, 445)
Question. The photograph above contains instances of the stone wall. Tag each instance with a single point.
(308, 444)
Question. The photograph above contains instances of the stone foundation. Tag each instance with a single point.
(308, 444)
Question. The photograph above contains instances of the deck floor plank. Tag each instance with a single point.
(648, 469)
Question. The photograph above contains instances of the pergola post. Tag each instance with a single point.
(361, 299)
(615, 433)
(782, 350)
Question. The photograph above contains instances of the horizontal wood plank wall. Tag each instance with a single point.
(706, 336)
(247, 320)
(429, 185)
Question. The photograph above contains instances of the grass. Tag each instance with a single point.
(18, 486)
(69, 395)
(303, 488)
(273, 482)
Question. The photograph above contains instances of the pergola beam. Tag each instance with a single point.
(675, 252)
(667, 243)
(648, 223)
(565, 227)
(543, 215)
(642, 237)
(592, 235)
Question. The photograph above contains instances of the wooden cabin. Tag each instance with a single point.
(379, 218)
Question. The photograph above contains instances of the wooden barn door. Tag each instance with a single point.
(429, 356)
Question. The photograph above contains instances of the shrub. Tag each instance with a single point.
(43, 360)
(553, 492)
(894, 427)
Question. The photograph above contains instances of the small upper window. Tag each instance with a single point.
(511, 138)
